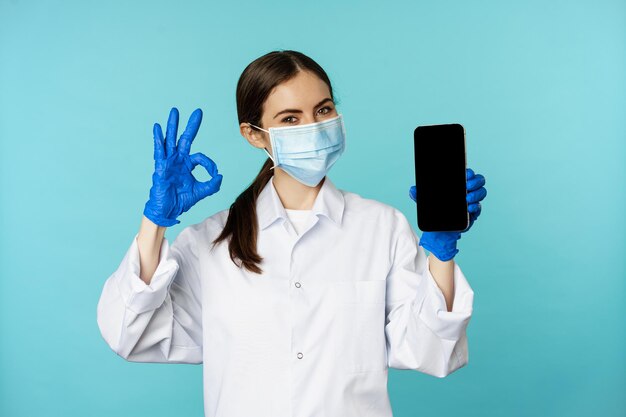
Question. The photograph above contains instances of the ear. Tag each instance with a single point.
(255, 137)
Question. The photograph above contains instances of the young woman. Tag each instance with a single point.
(299, 297)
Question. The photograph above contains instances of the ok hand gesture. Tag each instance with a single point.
(174, 189)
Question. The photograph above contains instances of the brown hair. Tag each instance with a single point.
(254, 86)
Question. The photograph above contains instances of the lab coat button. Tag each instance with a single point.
(300, 355)
(298, 285)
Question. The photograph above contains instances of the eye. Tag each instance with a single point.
(327, 108)
(323, 111)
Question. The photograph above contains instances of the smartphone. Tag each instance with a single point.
(440, 178)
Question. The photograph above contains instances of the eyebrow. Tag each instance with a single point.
(300, 111)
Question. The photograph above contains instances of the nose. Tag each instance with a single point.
(313, 118)
(306, 119)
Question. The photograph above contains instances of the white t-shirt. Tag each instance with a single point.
(298, 218)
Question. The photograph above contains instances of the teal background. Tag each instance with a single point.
(538, 85)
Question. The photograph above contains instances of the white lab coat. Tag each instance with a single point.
(315, 334)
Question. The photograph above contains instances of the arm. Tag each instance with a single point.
(149, 241)
(422, 334)
(154, 316)
(443, 273)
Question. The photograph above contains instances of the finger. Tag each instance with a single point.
(475, 182)
(209, 187)
(471, 222)
(184, 144)
(172, 131)
(469, 173)
(477, 195)
(474, 210)
(159, 152)
(413, 193)
(205, 161)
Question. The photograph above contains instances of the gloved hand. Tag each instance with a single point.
(443, 244)
(174, 189)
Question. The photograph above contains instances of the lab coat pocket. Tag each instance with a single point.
(360, 340)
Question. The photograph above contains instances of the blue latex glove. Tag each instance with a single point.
(174, 189)
(443, 244)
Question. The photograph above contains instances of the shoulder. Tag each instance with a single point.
(369, 208)
(207, 229)
(380, 219)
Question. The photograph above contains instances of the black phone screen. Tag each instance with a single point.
(440, 177)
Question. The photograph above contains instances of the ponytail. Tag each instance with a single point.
(242, 223)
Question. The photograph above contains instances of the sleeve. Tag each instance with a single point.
(160, 322)
(421, 333)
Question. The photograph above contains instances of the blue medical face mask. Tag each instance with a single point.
(307, 152)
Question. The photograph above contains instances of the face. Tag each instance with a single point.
(301, 100)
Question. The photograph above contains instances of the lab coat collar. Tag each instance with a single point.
(329, 202)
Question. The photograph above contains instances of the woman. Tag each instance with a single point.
(299, 297)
